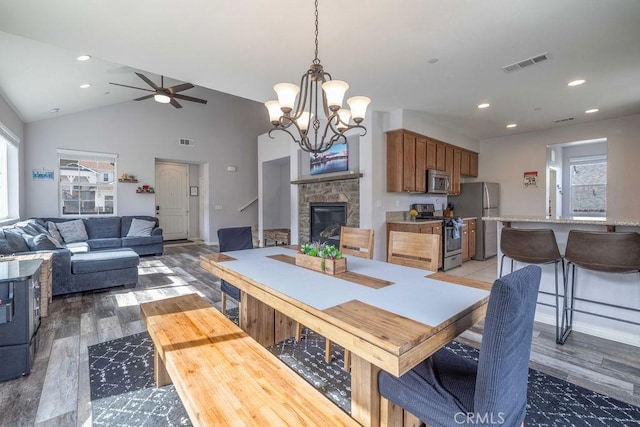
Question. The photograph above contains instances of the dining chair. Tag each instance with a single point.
(447, 389)
(233, 239)
(356, 242)
(418, 250)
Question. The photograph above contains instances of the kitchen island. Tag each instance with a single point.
(616, 289)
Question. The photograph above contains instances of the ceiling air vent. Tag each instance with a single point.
(526, 62)
(563, 120)
(185, 142)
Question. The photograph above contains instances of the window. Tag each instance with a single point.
(87, 183)
(588, 180)
(8, 175)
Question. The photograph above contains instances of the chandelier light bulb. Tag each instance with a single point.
(274, 111)
(303, 120)
(358, 105)
(287, 93)
(334, 91)
(163, 99)
(345, 116)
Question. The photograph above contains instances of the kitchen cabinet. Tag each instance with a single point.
(406, 162)
(430, 227)
(468, 239)
(409, 155)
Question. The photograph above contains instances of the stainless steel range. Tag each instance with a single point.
(451, 235)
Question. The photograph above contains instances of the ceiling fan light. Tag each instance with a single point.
(334, 91)
(287, 93)
(163, 99)
(358, 106)
(274, 111)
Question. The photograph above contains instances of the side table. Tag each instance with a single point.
(46, 278)
(278, 235)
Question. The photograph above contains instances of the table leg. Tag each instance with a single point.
(159, 370)
(257, 319)
(365, 396)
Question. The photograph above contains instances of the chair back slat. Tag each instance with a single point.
(418, 250)
(357, 242)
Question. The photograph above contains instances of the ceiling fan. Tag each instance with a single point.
(163, 94)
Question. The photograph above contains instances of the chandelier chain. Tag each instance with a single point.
(316, 60)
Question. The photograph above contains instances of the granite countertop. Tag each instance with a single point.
(565, 220)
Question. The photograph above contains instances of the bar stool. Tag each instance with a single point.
(607, 252)
(534, 247)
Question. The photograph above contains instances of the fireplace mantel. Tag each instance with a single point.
(340, 177)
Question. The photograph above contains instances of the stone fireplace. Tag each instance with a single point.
(327, 191)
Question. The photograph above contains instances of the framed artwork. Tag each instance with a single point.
(336, 159)
(193, 191)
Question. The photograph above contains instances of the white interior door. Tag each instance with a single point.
(172, 207)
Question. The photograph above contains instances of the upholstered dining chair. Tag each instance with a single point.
(418, 250)
(353, 242)
(447, 389)
(233, 239)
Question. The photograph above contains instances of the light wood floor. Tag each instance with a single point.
(56, 393)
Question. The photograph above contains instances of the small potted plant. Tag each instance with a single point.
(413, 214)
(321, 257)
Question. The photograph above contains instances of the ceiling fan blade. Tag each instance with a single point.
(142, 98)
(175, 103)
(132, 87)
(146, 79)
(189, 98)
(181, 87)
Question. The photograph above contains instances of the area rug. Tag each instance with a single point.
(123, 394)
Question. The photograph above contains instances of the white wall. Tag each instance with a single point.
(505, 159)
(224, 131)
(10, 119)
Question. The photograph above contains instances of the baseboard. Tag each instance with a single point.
(596, 331)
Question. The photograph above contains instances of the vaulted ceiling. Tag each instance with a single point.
(442, 58)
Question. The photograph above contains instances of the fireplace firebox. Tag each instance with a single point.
(326, 220)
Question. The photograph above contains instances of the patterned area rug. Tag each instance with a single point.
(123, 394)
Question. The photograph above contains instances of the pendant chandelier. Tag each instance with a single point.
(316, 103)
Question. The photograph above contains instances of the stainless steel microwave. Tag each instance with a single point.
(437, 182)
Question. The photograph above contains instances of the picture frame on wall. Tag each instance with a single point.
(193, 191)
(336, 159)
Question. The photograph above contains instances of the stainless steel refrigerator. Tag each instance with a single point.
(480, 199)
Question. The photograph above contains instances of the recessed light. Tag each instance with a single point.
(593, 110)
(512, 125)
(85, 85)
(485, 105)
(576, 82)
(54, 111)
(83, 57)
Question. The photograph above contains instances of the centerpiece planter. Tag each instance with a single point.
(328, 266)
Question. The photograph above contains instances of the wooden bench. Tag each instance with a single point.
(223, 376)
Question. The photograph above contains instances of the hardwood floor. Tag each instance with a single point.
(56, 393)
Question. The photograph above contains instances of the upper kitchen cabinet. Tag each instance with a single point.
(410, 155)
(469, 164)
(406, 162)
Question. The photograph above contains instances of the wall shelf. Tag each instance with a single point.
(132, 181)
(145, 191)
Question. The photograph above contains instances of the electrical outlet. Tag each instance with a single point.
(378, 203)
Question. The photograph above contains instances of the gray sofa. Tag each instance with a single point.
(89, 253)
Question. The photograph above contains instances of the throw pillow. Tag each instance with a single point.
(53, 231)
(73, 231)
(43, 242)
(14, 237)
(141, 227)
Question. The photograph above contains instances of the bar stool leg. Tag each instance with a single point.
(560, 312)
(567, 319)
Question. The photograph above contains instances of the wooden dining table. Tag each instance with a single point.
(390, 317)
